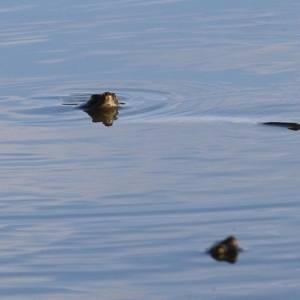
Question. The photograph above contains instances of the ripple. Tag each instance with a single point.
(141, 106)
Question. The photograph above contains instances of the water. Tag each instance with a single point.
(128, 211)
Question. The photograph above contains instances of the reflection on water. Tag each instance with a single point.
(105, 116)
(87, 208)
(125, 213)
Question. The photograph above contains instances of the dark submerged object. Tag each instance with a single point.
(288, 125)
(226, 250)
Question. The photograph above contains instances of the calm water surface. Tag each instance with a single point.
(128, 211)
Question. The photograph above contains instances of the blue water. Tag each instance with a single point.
(128, 211)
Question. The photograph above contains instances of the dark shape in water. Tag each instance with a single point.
(101, 101)
(102, 108)
(226, 250)
(288, 125)
(107, 116)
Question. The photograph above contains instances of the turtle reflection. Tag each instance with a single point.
(105, 116)
(226, 250)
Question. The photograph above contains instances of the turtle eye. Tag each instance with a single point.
(92, 100)
(221, 249)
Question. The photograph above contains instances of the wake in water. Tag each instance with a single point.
(160, 107)
(146, 106)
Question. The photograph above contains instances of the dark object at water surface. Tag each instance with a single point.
(288, 125)
(102, 108)
(226, 250)
(106, 100)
